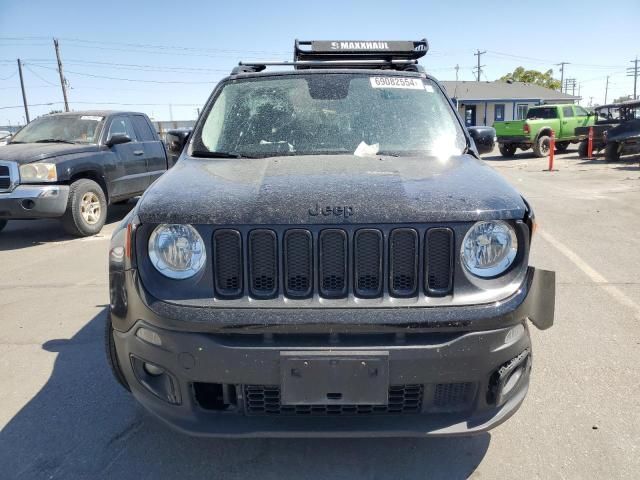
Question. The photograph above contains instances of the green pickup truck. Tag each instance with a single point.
(535, 130)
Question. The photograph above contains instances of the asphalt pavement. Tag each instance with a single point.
(63, 416)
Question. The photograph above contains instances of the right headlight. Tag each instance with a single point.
(38, 172)
(177, 251)
(489, 248)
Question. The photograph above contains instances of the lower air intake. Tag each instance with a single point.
(265, 400)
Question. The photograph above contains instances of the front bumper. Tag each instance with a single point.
(230, 362)
(34, 201)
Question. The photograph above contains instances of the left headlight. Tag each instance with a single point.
(489, 248)
(38, 172)
(177, 251)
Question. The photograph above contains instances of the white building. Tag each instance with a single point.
(482, 103)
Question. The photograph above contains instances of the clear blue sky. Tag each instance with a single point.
(199, 42)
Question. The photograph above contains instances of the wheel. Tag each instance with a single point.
(541, 146)
(86, 209)
(507, 150)
(112, 358)
(561, 147)
(3, 223)
(612, 152)
(583, 149)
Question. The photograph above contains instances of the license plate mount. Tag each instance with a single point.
(334, 378)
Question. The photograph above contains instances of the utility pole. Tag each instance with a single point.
(62, 79)
(561, 65)
(570, 83)
(479, 67)
(24, 95)
(606, 90)
(633, 72)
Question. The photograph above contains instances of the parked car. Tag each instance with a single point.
(73, 165)
(5, 136)
(483, 137)
(535, 130)
(329, 256)
(616, 130)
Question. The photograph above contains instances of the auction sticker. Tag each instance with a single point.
(397, 82)
(95, 118)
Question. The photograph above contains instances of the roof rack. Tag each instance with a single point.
(390, 55)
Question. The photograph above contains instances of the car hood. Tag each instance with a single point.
(33, 152)
(298, 190)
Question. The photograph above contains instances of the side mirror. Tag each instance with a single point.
(483, 137)
(118, 139)
(175, 141)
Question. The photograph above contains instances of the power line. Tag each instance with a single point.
(26, 65)
(129, 79)
(10, 76)
(105, 103)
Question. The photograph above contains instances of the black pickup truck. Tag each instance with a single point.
(73, 165)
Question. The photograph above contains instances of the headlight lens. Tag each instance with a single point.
(38, 172)
(177, 251)
(489, 248)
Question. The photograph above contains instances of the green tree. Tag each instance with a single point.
(544, 79)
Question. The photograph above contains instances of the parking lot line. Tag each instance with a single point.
(593, 274)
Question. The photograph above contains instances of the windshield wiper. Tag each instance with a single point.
(208, 154)
(53, 140)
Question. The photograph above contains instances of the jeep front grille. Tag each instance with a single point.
(333, 262)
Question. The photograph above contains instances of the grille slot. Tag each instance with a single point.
(438, 261)
(333, 263)
(5, 183)
(403, 271)
(265, 400)
(368, 263)
(453, 395)
(4, 171)
(5, 176)
(298, 264)
(263, 263)
(227, 253)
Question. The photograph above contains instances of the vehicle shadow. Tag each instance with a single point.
(20, 234)
(81, 424)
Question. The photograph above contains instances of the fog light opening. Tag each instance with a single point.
(28, 204)
(153, 370)
(512, 381)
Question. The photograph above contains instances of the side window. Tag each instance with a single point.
(567, 112)
(580, 112)
(498, 113)
(521, 110)
(122, 126)
(142, 127)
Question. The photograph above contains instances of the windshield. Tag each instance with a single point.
(306, 114)
(543, 112)
(61, 128)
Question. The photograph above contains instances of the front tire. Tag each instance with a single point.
(583, 149)
(612, 152)
(507, 150)
(542, 146)
(86, 209)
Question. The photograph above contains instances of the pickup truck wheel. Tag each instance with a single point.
(562, 146)
(3, 223)
(611, 152)
(112, 358)
(583, 149)
(86, 209)
(506, 150)
(541, 147)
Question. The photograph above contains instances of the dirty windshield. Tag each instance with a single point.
(314, 114)
(60, 129)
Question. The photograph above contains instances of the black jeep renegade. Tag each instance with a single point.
(329, 256)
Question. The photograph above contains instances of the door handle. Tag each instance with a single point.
(138, 152)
